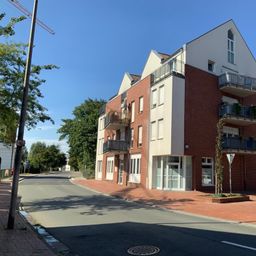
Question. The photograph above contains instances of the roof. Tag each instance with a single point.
(135, 78)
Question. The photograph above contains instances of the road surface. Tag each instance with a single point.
(92, 224)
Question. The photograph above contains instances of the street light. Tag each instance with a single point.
(23, 113)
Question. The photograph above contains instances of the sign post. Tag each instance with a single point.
(230, 158)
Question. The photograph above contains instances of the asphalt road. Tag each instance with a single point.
(92, 224)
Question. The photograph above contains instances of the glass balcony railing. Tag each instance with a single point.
(237, 111)
(173, 66)
(237, 143)
(237, 84)
(115, 120)
(115, 145)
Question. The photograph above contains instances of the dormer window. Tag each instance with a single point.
(231, 47)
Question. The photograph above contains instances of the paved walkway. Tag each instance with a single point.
(188, 201)
(22, 240)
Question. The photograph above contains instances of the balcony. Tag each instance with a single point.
(117, 146)
(115, 120)
(237, 114)
(172, 67)
(239, 145)
(241, 86)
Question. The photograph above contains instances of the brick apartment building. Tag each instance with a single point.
(159, 131)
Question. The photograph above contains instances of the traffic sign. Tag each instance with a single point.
(230, 158)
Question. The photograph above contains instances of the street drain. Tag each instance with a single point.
(143, 250)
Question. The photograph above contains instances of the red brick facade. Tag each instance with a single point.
(140, 89)
(202, 100)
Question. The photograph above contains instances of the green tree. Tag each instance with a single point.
(12, 69)
(45, 158)
(81, 134)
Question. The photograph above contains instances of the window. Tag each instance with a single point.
(132, 137)
(160, 129)
(133, 112)
(211, 66)
(110, 168)
(100, 148)
(135, 164)
(230, 131)
(153, 130)
(99, 166)
(161, 95)
(231, 47)
(141, 104)
(207, 171)
(139, 136)
(154, 98)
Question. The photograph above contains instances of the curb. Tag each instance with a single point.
(52, 243)
(166, 209)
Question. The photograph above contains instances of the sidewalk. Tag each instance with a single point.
(22, 240)
(188, 201)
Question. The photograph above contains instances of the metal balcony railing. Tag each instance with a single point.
(115, 120)
(237, 111)
(115, 145)
(237, 143)
(171, 67)
(238, 81)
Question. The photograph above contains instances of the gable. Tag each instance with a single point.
(153, 62)
(213, 46)
(125, 84)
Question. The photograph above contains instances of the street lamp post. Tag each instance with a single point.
(23, 113)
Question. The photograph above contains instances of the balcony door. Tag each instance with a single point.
(120, 171)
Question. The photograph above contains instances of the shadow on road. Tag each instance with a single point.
(115, 239)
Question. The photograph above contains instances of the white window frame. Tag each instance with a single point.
(160, 136)
(161, 95)
(133, 111)
(153, 132)
(208, 164)
(231, 49)
(210, 62)
(141, 102)
(132, 137)
(140, 134)
(110, 168)
(135, 168)
(154, 98)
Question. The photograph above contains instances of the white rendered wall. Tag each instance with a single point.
(172, 111)
(5, 154)
(99, 156)
(126, 83)
(153, 62)
(213, 46)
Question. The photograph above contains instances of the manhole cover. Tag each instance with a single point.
(143, 250)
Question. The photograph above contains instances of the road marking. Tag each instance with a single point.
(239, 245)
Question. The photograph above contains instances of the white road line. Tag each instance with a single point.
(239, 245)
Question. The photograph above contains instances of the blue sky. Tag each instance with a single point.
(96, 41)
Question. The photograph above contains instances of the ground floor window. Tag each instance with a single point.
(207, 171)
(169, 173)
(134, 170)
(110, 168)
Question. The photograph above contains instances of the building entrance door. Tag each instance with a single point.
(171, 176)
(120, 171)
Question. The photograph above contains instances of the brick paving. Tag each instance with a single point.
(22, 240)
(188, 201)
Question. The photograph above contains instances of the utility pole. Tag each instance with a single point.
(20, 139)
